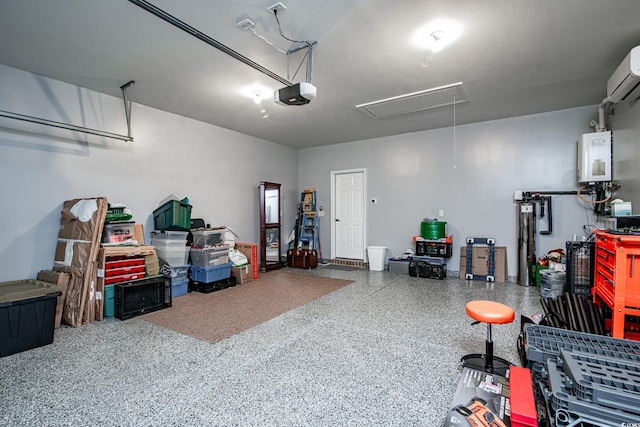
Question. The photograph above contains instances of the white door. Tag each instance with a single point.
(349, 215)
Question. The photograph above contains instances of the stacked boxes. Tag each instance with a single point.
(210, 266)
(171, 246)
(250, 250)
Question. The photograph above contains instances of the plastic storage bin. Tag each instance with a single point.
(109, 301)
(179, 274)
(211, 274)
(377, 255)
(179, 288)
(173, 215)
(173, 256)
(400, 266)
(209, 256)
(118, 232)
(169, 239)
(142, 296)
(27, 315)
(434, 249)
(160, 235)
(207, 237)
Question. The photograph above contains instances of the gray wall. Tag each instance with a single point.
(41, 167)
(625, 123)
(472, 177)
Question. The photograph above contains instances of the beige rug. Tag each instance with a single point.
(221, 314)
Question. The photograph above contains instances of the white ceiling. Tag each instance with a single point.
(514, 57)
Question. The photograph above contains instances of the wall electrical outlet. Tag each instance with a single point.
(441, 212)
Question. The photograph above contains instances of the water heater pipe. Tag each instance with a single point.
(601, 125)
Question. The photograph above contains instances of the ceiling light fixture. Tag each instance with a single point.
(437, 40)
(257, 97)
(437, 34)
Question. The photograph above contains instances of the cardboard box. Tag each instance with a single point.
(138, 233)
(481, 259)
(62, 280)
(481, 393)
(242, 274)
(250, 250)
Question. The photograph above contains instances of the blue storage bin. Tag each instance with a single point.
(211, 274)
(179, 288)
(180, 274)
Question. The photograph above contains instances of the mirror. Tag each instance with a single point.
(270, 255)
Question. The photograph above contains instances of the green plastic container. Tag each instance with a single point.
(433, 230)
(173, 215)
(109, 301)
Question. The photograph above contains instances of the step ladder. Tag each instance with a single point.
(308, 231)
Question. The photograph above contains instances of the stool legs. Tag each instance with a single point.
(486, 362)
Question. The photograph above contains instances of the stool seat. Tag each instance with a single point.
(490, 312)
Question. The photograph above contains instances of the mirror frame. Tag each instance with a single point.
(269, 227)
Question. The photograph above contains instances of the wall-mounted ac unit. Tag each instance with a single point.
(624, 83)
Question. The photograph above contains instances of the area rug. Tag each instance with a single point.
(221, 314)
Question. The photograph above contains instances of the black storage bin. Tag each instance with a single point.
(142, 296)
(27, 315)
(27, 323)
(580, 265)
(434, 249)
(217, 285)
(427, 270)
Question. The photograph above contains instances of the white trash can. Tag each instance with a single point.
(377, 256)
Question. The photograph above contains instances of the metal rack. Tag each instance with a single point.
(580, 262)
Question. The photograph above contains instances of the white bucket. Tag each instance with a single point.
(377, 256)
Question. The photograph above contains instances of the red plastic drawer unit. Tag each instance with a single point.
(110, 272)
(128, 262)
(123, 278)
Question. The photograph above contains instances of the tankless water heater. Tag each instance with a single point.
(594, 157)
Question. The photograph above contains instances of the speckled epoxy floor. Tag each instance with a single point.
(381, 351)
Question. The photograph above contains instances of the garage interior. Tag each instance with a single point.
(478, 115)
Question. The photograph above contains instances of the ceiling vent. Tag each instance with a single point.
(416, 101)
